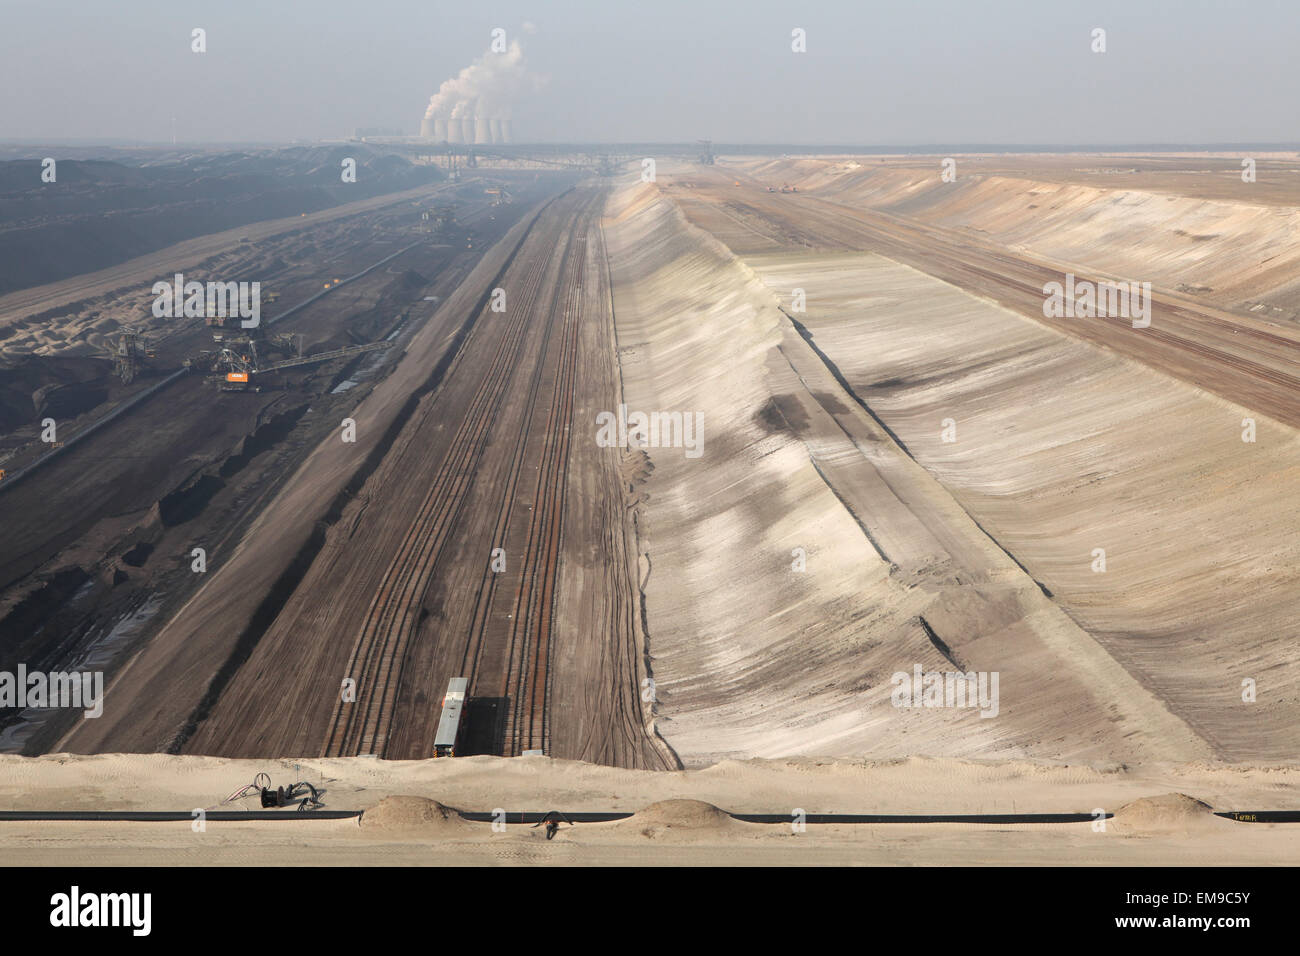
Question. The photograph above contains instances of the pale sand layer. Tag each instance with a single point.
(1239, 253)
(668, 834)
(1062, 448)
(754, 658)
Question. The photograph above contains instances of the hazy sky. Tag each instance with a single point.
(875, 73)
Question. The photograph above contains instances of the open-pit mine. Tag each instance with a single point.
(824, 481)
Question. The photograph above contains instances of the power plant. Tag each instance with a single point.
(476, 105)
(467, 128)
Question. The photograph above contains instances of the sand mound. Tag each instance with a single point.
(1165, 812)
(685, 816)
(413, 813)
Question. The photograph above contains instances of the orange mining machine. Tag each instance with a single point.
(240, 363)
(241, 358)
(231, 370)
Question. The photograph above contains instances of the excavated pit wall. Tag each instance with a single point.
(755, 658)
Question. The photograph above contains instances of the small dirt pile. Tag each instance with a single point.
(414, 814)
(680, 818)
(1169, 811)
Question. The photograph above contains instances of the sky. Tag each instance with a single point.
(875, 73)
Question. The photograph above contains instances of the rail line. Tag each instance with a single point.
(393, 611)
(381, 646)
(528, 726)
(474, 646)
(482, 660)
(514, 666)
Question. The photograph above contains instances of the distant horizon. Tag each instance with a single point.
(693, 144)
(1098, 72)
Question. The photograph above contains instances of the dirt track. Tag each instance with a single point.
(664, 831)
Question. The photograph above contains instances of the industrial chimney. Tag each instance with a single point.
(472, 106)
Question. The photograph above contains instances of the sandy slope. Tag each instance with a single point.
(1062, 448)
(1239, 253)
(754, 657)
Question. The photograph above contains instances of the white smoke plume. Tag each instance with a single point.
(485, 91)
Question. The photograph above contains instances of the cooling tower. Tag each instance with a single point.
(467, 130)
(482, 131)
(507, 134)
(453, 130)
(440, 129)
(494, 126)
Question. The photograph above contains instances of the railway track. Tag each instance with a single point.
(512, 664)
(483, 660)
(527, 683)
(377, 653)
(384, 638)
